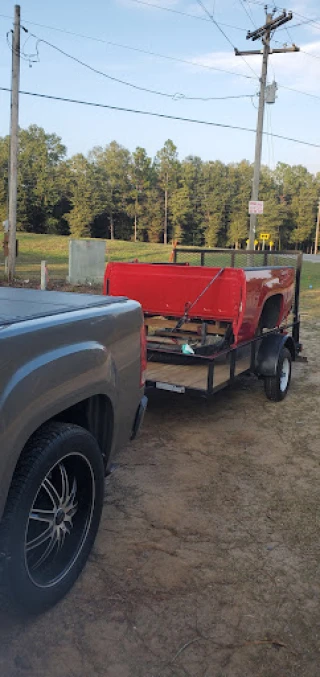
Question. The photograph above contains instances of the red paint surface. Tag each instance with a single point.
(237, 296)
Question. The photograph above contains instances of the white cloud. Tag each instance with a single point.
(296, 70)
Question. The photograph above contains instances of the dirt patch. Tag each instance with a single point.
(207, 560)
(55, 286)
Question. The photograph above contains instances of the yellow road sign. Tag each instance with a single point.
(264, 237)
(256, 242)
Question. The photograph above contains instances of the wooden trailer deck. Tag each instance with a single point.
(193, 376)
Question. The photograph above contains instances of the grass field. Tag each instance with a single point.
(54, 249)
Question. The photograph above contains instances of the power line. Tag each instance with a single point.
(138, 49)
(312, 56)
(212, 19)
(161, 115)
(224, 34)
(298, 91)
(303, 51)
(179, 60)
(289, 35)
(250, 2)
(315, 23)
(148, 4)
(168, 57)
(176, 96)
(187, 14)
(302, 16)
(306, 20)
(248, 13)
(271, 137)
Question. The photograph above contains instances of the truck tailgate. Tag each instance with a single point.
(168, 290)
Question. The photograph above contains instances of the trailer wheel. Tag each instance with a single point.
(276, 387)
(51, 517)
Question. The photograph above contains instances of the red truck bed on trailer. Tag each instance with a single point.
(241, 297)
(206, 325)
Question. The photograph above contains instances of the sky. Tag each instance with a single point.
(135, 26)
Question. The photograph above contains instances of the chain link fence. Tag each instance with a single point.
(242, 258)
(236, 258)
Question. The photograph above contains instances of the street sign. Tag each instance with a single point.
(256, 207)
(264, 237)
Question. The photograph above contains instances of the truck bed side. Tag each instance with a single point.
(269, 298)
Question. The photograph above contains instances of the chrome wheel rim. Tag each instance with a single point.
(59, 520)
(285, 374)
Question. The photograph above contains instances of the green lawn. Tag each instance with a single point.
(310, 276)
(54, 249)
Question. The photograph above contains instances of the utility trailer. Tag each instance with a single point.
(213, 315)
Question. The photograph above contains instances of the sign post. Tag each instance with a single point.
(256, 242)
(264, 237)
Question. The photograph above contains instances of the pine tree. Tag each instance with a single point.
(113, 166)
(140, 177)
(167, 165)
(85, 199)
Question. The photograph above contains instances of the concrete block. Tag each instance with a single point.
(87, 261)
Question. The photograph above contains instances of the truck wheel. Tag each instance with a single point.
(52, 515)
(276, 387)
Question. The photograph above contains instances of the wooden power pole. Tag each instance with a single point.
(14, 141)
(316, 242)
(264, 32)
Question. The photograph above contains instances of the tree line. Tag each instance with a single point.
(112, 193)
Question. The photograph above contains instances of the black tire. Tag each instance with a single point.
(276, 387)
(52, 516)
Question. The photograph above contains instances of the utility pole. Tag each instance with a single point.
(14, 141)
(264, 32)
(316, 243)
(165, 231)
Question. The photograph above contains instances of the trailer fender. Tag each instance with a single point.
(269, 351)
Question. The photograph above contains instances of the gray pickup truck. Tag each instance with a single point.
(71, 387)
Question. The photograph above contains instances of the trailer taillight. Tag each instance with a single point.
(143, 356)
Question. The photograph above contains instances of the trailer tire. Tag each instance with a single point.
(51, 518)
(276, 387)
